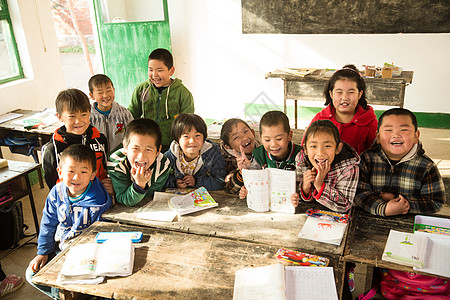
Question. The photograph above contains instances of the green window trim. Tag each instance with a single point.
(14, 57)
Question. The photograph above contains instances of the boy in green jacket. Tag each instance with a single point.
(160, 97)
(139, 168)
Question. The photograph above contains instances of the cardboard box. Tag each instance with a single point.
(386, 72)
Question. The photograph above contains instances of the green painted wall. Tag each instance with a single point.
(427, 120)
(125, 48)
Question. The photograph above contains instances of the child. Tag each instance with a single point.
(139, 169)
(108, 116)
(237, 137)
(195, 161)
(347, 108)
(161, 98)
(328, 168)
(71, 206)
(277, 150)
(73, 109)
(396, 177)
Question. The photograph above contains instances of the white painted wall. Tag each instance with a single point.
(36, 39)
(224, 68)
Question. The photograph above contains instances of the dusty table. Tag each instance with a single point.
(382, 91)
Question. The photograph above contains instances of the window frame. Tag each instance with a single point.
(4, 16)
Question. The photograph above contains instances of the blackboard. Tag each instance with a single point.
(345, 16)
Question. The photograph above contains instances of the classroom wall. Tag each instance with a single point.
(224, 69)
(36, 39)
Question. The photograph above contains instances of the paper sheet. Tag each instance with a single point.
(9, 116)
(310, 283)
(438, 255)
(323, 231)
(157, 209)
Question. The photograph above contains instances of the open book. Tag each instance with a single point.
(194, 201)
(279, 282)
(270, 189)
(405, 248)
(89, 263)
(157, 209)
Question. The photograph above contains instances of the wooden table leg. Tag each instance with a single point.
(33, 208)
(295, 113)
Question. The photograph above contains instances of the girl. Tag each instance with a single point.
(195, 161)
(237, 137)
(327, 168)
(347, 108)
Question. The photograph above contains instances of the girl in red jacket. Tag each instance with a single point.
(345, 94)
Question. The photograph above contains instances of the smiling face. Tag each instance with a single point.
(275, 140)
(397, 136)
(241, 135)
(76, 175)
(75, 122)
(142, 151)
(321, 147)
(104, 95)
(191, 142)
(345, 95)
(158, 73)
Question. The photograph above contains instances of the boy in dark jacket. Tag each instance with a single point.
(73, 109)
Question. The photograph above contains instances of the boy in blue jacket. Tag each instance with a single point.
(71, 206)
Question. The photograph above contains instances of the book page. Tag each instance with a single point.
(157, 209)
(80, 262)
(260, 283)
(323, 231)
(282, 186)
(115, 257)
(310, 283)
(195, 201)
(257, 184)
(437, 260)
(405, 248)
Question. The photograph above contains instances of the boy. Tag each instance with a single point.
(277, 150)
(396, 177)
(161, 98)
(108, 116)
(73, 109)
(71, 206)
(139, 169)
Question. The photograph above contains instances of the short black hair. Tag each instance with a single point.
(72, 100)
(398, 111)
(163, 55)
(274, 118)
(321, 126)
(98, 80)
(143, 126)
(184, 122)
(227, 127)
(349, 72)
(80, 153)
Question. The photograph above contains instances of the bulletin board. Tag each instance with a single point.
(345, 16)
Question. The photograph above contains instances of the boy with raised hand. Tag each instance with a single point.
(160, 97)
(73, 109)
(277, 150)
(71, 206)
(396, 177)
(139, 169)
(108, 116)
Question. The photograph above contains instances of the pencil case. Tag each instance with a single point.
(301, 258)
(328, 215)
(135, 236)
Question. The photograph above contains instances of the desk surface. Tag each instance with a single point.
(9, 125)
(232, 219)
(367, 238)
(320, 75)
(16, 169)
(169, 265)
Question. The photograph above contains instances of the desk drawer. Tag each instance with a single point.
(390, 94)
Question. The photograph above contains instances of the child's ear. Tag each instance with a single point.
(59, 117)
(171, 71)
(94, 173)
(378, 138)
(417, 134)
(339, 147)
(91, 96)
(159, 150)
(58, 169)
(360, 94)
(291, 133)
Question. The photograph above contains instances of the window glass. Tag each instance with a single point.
(121, 11)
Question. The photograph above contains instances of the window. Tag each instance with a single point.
(10, 67)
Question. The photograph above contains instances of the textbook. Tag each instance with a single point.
(270, 189)
(89, 263)
(290, 282)
(157, 209)
(194, 201)
(405, 248)
(324, 226)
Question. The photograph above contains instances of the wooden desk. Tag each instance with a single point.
(169, 265)
(382, 91)
(17, 174)
(233, 220)
(367, 238)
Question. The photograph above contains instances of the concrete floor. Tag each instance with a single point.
(436, 143)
